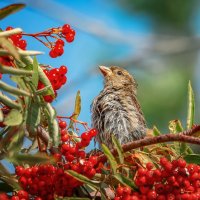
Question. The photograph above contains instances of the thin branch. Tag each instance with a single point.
(185, 136)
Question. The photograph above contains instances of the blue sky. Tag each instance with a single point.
(87, 51)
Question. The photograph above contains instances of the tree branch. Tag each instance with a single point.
(185, 136)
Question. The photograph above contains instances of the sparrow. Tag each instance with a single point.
(116, 109)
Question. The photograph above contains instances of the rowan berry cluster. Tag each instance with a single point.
(18, 42)
(66, 32)
(20, 195)
(57, 77)
(173, 180)
(16, 39)
(45, 182)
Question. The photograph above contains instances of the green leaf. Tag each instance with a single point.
(192, 158)
(191, 107)
(44, 79)
(53, 125)
(4, 12)
(77, 109)
(4, 187)
(13, 118)
(17, 141)
(35, 76)
(9, 102)
(39, 158)
(43, 91)
(13, 90)
(15, 71)
(181, 148)
(33, 116)
(83, 179)
(6, 44)
(118, 148)
(8, 178)
(156, 132)
(111, 158)
(175, 126)
(10, 132)
(1, 115)
(125, 181)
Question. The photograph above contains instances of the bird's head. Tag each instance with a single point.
(117, 77)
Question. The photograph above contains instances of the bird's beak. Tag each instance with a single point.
(105, 70)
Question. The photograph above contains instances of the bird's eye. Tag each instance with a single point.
(119, 73)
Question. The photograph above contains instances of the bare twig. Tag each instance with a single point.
(185, 136)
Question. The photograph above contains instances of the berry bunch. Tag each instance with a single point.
(66, 32)
(173, 180)
(57, 77)
(16, 39)
(18, 42)
(47, 181)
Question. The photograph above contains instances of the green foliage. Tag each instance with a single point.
(119, 149)
(125, 181)
(111, 158)
(77, 109)
(192, 158)
(191, 107)
(13, 118)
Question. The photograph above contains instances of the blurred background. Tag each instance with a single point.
(157, 41)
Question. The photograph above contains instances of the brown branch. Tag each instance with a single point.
(184, 136)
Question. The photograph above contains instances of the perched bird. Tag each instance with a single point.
(116, 109)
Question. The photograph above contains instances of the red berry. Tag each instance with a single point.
(15, 198)
(22, 44)
(151, 195)
(82, 154)
(63, 80)
(23, 180)
(144, 189)
(69, 157)
(63, 69)
(22, 194)
(141, 172)
(93, 159)
(60, 42)
(9, 28)
(85, 136)
(46, 71)
(127, 190)
(181, 163)
(19, 170)
(163, 161)
(119, 191)
(149, 165)
(91, 173)
(66, 29)
(48, 98)
(62, 124)
(69, 37)
(65, 138)
(93, 132)
(52, 54)
(58, 50)
(4, 196)
(72, 31)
